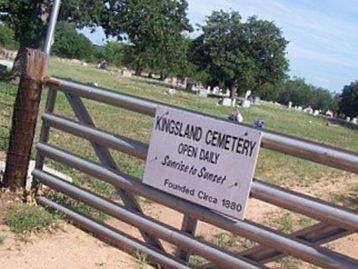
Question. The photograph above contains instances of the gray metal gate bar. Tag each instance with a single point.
(125, 242)
(316, 235)
(45, 131)
(318, 256)
(188, 226)
(106, 139)
(106, 159)
(139, 150)
(304, 204)
(157, 229)
(312, 151)
(266, 192)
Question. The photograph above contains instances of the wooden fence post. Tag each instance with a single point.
(24, 119)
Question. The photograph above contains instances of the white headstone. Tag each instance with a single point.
(289, 104)
(316, 113)
(308, 110)
(329, 113)
(171, 91)
(236, 116)
(246, 103)
(354, 120)
(257, 101)
(226, 101)
(247, 94)
(203, 92)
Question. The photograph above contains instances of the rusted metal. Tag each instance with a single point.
(24, 119)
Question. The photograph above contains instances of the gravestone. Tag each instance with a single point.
(308, 110)
(257, 101)
(289, 104)
(329, 113)
(246, 103)
(236, 116)
(203, 92)
(171, 91)
(226, 101)
(247, 94)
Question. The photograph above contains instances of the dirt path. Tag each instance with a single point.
(70, 247)
(64, 249)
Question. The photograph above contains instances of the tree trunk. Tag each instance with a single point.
(24, 119)
(138, 71)
(163, 75)
(233, 94)
(18, 65)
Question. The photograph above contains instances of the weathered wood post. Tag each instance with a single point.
(24, 119)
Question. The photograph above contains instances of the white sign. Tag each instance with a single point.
(203, 160)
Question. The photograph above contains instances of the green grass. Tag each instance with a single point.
(141, 259)
(349, 199)
(24, 218)
(273, 167)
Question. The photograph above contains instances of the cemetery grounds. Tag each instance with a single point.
(61, 245)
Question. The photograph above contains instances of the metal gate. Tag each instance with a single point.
(334, 222)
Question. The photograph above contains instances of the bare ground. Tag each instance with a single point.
(66, 248)
(70, 247)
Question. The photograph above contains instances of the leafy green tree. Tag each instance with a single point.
(29, 20)
(154, 28)
(71, 44)
(300, 93)
(115, 53)
(296, 91)
(349, 100)
(7, 37)
(240, 55)
(322, 99)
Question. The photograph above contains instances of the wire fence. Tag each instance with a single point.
(7, 99)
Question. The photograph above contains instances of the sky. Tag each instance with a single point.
(323, 34)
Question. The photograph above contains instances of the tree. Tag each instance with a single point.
(154, 29)
(349, 100)
(29, 20)
(7, 38)
(300, 93)
(115, 53)
(71, 44)
(240, 55)
(322, 100)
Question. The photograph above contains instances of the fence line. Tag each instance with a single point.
(305, 244)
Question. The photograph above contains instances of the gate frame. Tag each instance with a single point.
(304, 244)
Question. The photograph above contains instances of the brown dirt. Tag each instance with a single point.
(70, 247)
(65, 249)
